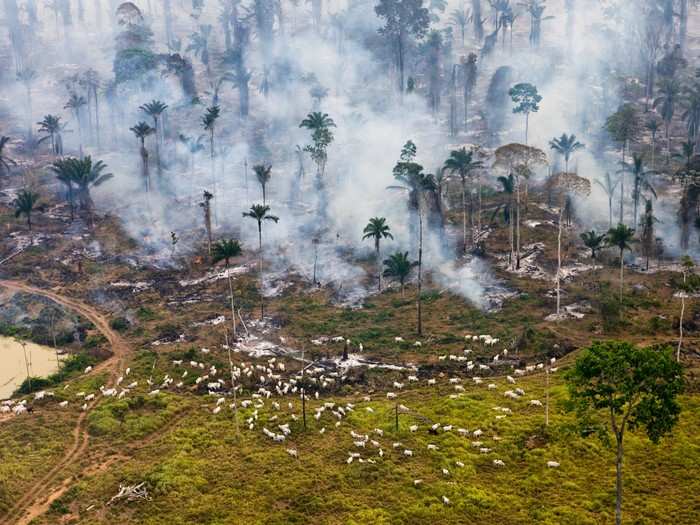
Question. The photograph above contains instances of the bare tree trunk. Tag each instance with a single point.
(618, 482)
(420, 272)
(561, 217)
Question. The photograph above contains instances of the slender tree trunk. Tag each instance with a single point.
(464, 216)
(233, 309)
(517, 223)
(527, 126)
(610, 209)
(420, 272)
(622, 273)
(618, 482)
(262, 295)
(622, 186)
(561, 217)
(379, 266)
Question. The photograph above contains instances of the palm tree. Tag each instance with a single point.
(319, 125)
(691, 115)
(624, 127)
(26, 203)
(608, 185)
(5, 161)
(593, 241)
(209, 119)
(225, 250)
(508, 189)
(86, 175)
(193, 146)
(641, 180)
(462, 163)
(653, 127)
(199, 45)
(27, 77)
(51, 125)
(621, 238)
(648, 239)
(206, 206)
(76, 103)
(143, 130)
(460, 18)
(566, 145)
(669, 94)
(63, 169)
(399, 267)
(377, 229)
(154, 109)
(263, 173)
(259, 212)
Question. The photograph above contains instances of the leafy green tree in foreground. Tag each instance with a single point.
(377, 229)
(615, 386)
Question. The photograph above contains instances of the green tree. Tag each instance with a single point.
(566, 145)
(526, 100)
(593, 241)
(377, 229)
(5, 161)
(647, 236)
(209, 119)
(399, 267)
(641, 180)
(155, 109)
(615, 386)
(319, 124)
(52, 127)
(141, 131)
(263, 172)
(403, 20)
(461, 162)
(666, 103)
(624, 127)
(26, 203)
(63, 170)
(260, 213)
(206, 207)
(621, 238)
(86, 174)
(225, 250)
(608, 184)
(76, 103)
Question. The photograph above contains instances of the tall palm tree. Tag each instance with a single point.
(641, 180)
(377, 229)
(653, 127)
(25, 204)
(624, 127)
(5, 161)
(609, 185)
(647, 235)
(593, 241)
(319, 124)
(27, 77)
(259, 213)
(225, 250)
(666, 102)
(194, 146)
(566, 145)
(141, 131)
(460, 19)
(691, 113)
(206, 206)
(209, 119)
(52, 127)
(155, 109)
(399, 267)
(462, 163)
(621, 237)
(76, 103)
(199, 46)
(263, 173)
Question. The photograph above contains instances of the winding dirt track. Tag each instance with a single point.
(37, 499)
